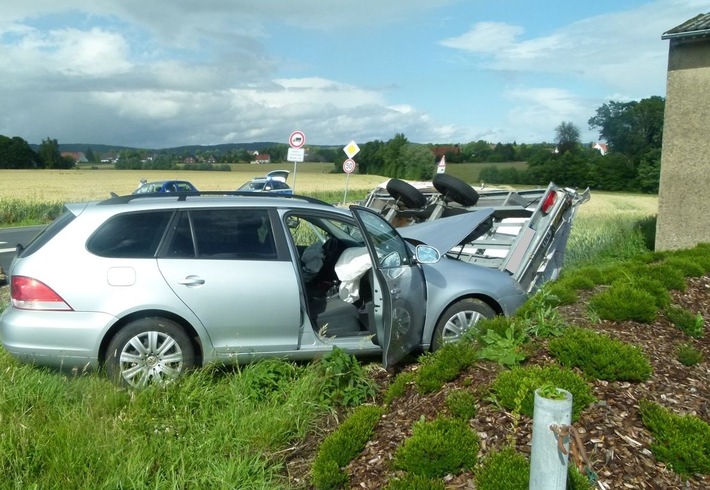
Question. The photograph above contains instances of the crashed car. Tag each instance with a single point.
(522, 233)
(151, 285)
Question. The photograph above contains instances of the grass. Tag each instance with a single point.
(213, 429)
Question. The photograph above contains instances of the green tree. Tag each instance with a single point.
(16, 153)
(50, 155)
(631, 128)
(567, 137)
(90, 156)
(417, 162)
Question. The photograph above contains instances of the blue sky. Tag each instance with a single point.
(158, 74)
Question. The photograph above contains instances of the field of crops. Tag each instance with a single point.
(310, 178)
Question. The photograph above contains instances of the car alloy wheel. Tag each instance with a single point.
(149, 351)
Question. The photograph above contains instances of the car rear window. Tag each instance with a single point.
(224, 234)
(130, 235)
(48, 233)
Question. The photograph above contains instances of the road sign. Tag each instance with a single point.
(297, 139)
(351, 149)
(349, 166)
(296, 154)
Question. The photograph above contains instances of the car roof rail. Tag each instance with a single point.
(182, 196)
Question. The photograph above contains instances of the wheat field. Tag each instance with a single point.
(94, 184)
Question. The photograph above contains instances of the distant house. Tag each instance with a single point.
(262, 158)
(685, 156)
(440, 151)
(77, 156)
(601, 147)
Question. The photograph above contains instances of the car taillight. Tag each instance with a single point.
(549, 201)
(30, 294)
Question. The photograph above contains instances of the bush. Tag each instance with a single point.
(462, 404)
(345, 380)
(398, 387)
(504, 470)
(599, 356)
(692, 324)
(687, 266)
(624, 301)
(340, 447)
(415, 482)
(444, 365)
(438, 448)
(515, 389)
(682, 442)
(688, 355)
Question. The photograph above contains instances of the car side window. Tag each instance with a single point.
(130, 235)
(242, 234)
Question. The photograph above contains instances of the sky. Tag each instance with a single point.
(165, 73)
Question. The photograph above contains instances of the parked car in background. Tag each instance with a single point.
(151, 285)
(274, 181)
(165, 186)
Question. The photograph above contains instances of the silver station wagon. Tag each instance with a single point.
(149, 286)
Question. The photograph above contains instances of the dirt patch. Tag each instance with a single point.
(614, 438)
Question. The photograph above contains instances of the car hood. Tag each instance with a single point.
(446, 233)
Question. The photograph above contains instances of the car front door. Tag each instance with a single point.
(400, 289)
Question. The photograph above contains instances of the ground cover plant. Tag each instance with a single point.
(261, 426)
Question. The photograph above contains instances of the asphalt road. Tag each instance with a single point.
(10, 237)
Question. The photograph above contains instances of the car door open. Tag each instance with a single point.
(400, 290)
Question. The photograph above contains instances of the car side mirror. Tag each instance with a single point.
(426, 254)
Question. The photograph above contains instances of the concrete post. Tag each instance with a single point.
(548, 465)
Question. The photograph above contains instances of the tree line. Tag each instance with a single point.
(633, 132)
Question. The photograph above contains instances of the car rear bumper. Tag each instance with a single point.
(64, 340)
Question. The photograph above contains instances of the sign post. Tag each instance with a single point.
(296, 153)
(351, 149)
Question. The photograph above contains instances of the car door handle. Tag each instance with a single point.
(192, 281)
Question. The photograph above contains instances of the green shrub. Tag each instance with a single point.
(688, 355)
(540, 315)
(398, 387)
(515, 389)
(345, 380)
(268, 377)
(414, 482)
(462, 404)
(692, 324)
(340, 447)
(666, 274)
(444, 365)
(682, 442)
(562, 293)
(623, 301)
(599, 356)
(504, 348)
(687, 266)
(504, 470)
(438, 448)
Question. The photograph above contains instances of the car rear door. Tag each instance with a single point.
(400, 290)
(225, 266)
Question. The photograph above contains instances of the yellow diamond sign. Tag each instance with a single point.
(351, 149)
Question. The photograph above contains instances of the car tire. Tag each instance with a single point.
(455, 190)
(459, 318)
(406, 193)
(149, 351)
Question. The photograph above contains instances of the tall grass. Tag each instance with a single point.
(206, 431)
(603, 238)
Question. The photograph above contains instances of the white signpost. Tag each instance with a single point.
(296, 153)
(351, 149)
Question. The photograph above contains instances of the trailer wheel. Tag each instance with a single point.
(406, 193)
(455, 189)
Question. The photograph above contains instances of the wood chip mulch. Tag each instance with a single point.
(615, 440)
